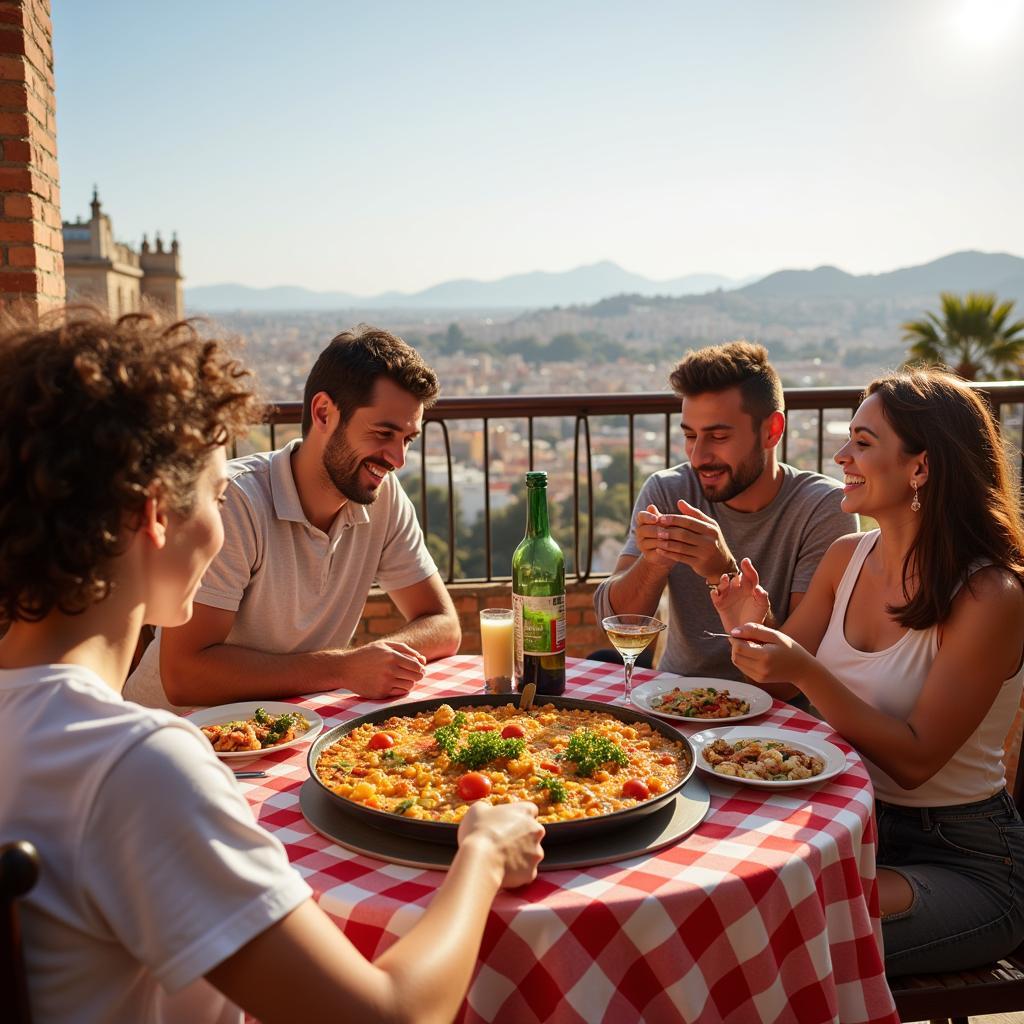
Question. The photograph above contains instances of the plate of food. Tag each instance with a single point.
(697, 699)
(255, 727)
(416, 768)
(762, 756)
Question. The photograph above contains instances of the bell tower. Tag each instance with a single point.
(161, 276)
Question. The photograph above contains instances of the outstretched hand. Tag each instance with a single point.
(515, 834)
(765, 655)
(741, 598)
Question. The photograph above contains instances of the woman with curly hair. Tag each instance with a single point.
(910, 643)
(160, 898)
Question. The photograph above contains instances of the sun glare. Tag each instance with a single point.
(983, 24)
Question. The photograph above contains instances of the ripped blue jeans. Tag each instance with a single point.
(966, 866)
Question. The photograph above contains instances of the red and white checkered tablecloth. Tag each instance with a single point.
(768, 912)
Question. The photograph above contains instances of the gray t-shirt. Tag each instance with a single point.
(785, 541)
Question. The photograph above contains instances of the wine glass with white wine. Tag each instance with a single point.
(630, 636)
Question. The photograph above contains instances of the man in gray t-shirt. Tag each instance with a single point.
(733, 500)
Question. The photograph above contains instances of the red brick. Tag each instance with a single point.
(13, 95)
(16, 151)
(14, 124)
(14, 41)
(20, 231)
(30, 256)
(19, 281)
(13, 69)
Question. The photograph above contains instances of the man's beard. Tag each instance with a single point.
(343, 467)
(737, 480)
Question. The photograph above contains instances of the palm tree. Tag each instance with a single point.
(972, 336)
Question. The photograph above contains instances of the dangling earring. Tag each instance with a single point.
(915, 505)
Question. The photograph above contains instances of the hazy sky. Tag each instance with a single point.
(364, 147)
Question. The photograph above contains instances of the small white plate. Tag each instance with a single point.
(806, 743)
(224, 713)
(645, 694)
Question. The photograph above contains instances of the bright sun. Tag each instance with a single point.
(984, 23)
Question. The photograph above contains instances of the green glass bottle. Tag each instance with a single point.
(538, 597)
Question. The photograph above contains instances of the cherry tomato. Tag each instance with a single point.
(513, 732)
(473, 786)
(666, 759)
(636, 789)
(381, 741)
(551, 767)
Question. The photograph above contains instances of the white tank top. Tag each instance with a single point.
(891, 681)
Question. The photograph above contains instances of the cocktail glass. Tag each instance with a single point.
(630, 635)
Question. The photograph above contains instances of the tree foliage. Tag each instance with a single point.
(973, 335)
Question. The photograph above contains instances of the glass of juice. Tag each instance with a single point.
(630, 635)
(496, 635)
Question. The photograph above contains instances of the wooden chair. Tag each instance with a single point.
(19, 871)
(994, 988)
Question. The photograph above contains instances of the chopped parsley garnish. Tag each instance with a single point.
(279, 728)
(447, 736)
(405, 805)
(389, 755)
(588, 752)
(261, 716)
(483, 747)
(554, 786)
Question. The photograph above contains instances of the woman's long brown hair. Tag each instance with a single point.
(970, 506)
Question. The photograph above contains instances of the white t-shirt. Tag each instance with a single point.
(153, 870)
(292, 587)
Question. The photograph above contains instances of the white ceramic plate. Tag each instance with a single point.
(806, 743)
(645, 694)
(224, 713)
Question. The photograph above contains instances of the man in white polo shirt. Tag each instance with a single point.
(309, 529)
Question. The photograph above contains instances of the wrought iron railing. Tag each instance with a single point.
(1005, 397)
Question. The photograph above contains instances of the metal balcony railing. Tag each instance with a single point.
(810, 440)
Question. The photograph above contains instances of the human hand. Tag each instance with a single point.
(691, 538)
(514, 833)
(741, 598)
(381, 669)
(648, 538)
(765, 655)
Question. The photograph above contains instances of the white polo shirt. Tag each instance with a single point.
(293, 587)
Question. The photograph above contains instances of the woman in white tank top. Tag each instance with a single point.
(910, 642)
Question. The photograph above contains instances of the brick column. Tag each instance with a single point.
(31, 240)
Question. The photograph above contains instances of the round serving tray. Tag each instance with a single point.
(445, 832)
(667, 825)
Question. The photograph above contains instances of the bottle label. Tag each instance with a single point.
(540, 624)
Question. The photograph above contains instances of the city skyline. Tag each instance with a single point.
(363, 151)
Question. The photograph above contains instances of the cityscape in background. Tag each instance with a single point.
(821, 327)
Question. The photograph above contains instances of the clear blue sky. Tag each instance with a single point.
(363, 147)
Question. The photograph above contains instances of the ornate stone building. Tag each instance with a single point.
(113, 275)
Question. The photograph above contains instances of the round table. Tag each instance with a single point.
(767, 912)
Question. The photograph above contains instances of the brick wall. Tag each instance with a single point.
(583, 634)
(31, 241)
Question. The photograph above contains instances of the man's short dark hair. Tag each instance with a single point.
(739, 364)
(351, 364)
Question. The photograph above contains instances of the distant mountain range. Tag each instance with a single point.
(961, 271)
(580, 286)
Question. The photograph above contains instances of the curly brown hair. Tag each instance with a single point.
(349, 367)
(94, 414)
(738, 364)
